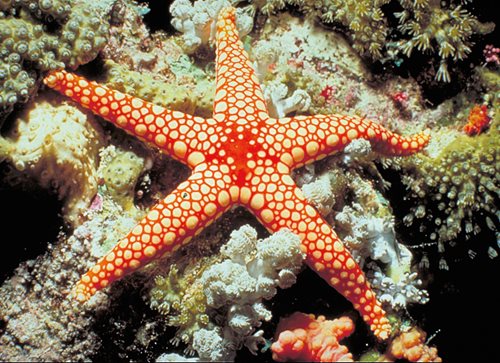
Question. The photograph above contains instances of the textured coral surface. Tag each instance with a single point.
(422, 229)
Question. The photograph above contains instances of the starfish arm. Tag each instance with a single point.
(310, 138)
(174, 132)
(183, 214)
(286, 207)
(238, 93)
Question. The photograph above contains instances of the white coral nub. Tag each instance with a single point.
(197, 21)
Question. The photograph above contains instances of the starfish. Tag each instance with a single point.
(240, 156)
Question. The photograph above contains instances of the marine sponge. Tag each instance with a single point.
(41, 35)
(58, 145)
(222, 302)
(302, 337)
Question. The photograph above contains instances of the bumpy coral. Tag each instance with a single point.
(411, 346)
(195, 100)
(223, 304)
(302, 337)
(455, 192)
(57, 144)
(41, 35)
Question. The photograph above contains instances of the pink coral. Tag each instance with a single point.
(491, 54)
(302, 337)
(411, 346)
(478, 120)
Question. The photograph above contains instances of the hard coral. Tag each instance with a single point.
(77, 32)
(302, 337)
(478, 120)
(455, 191)
(424, 25)
(57, 144)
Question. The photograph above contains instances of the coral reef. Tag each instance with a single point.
(424, 26)
(456, 191)
(218, 305)
(41, 35)
(302, 337)
(197, 20)
(212, 298)
(411, 345)
(58, 145)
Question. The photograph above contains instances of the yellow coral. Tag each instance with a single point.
(57, 144)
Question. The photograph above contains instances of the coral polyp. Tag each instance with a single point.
(227, 180)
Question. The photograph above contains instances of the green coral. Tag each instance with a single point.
(424, 25)
(120, 170)
(180, 297)
(456, 191)
(197, 101)
(42, 35)
(431, 26)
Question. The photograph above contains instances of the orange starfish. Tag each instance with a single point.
(240, 156)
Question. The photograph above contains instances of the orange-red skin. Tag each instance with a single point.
(240, 156)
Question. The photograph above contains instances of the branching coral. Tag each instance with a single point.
(58, 145)
(219, 305)
(41, 35)
(424, 25)
(302, 337)
(431, 26)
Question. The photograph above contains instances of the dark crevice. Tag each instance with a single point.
(31, 218)
(462, 306)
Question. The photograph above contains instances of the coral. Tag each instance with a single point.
(57, 144)
(455, 191)
(411, 346)
(279, 105)
(222, 302)
(196, 100)
(197, 20)
(477, 121)
(40, 322)
(397, 294)
(491, 54)
(302, 337)
(119, 171)
(41, 35)
(430, 25)
(424, 25)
